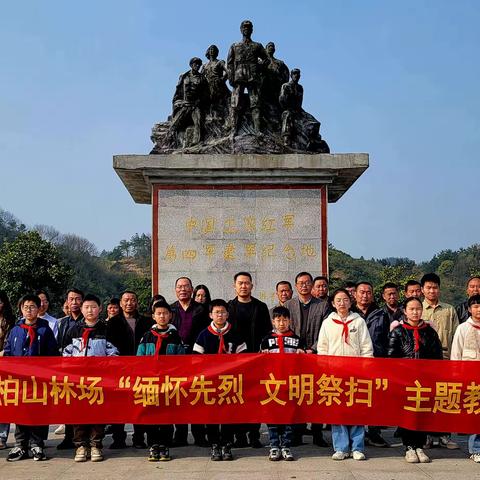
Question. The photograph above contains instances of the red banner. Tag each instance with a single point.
(264, 388)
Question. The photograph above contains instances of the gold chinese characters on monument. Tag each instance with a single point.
(211, 235)
(240, 248)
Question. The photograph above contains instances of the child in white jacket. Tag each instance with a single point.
(344, 333)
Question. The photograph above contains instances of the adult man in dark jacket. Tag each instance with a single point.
(379, 320)
(251, 322)
(189, 318)
(74, 301)
(473, 288)
(125, 331)
(379, 327)
(249, 317)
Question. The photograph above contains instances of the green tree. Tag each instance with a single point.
(29, 263)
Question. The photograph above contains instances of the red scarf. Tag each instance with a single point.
(32, 332)
(345, 328)
(416, 333)
(475, 326)
(160, 337)
(85, 334)
(279, 337)
(220, 334)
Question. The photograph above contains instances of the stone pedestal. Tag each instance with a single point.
(215, 215)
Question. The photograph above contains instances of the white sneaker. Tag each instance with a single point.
(340, 455)
(411, 455)
(422, 456)
(475, 457)
(275, 454)
(81, 454)
(60, 430)
(358, 455)
(96, 454)
(287, 454)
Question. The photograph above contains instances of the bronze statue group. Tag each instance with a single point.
(262, 113)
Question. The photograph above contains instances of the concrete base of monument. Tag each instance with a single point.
(215, 215)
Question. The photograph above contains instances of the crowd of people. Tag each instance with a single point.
(346, 322)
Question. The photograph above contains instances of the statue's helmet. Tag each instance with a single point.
(195, 60)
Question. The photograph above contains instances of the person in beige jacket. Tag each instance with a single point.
(466, 346)
(345, 333)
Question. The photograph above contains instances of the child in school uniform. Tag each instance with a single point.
(30, 337)
(281, 340)
(218, 338)
(161, 339)
(88, 338)
(345, 333)
(416, 339)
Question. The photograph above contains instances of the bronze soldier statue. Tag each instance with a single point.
(215, 72)
(244, 63)
(291, 99)
(276, 74)
(189, 103)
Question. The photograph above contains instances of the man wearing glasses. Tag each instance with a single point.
(189, 318)
(307, 314)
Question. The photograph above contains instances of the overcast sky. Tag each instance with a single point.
(82, 81)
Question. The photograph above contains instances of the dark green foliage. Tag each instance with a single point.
(28, 263)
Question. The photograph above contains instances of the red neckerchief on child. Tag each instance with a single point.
(345, 328)
(416, 332)
(474, 326)
(85, 334)
(279, 337)
(32, 332)
(220, 334)
(160, 337)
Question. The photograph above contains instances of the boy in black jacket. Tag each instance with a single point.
(218, 338)
(281, 340)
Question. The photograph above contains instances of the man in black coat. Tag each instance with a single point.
(250, 320)
(74, 300)
(125, 331)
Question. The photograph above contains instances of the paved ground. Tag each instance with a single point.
(194, 463)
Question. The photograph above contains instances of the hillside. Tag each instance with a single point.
(127, 266)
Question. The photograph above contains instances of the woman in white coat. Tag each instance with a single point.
(345, 333)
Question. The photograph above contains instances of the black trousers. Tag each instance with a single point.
(88, 435)
(251, 430)
(220, 434)
(412, 438)
(181, 433)
(119, 434)
(30, 436)
(161, 435)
